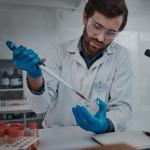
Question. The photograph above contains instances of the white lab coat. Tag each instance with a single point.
(109, 78)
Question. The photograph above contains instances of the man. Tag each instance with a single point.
(93, 64)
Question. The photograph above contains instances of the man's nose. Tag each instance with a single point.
(101, 36)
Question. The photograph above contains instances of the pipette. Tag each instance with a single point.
(43, 67)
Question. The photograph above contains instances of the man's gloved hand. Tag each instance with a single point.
(98, 123)
(27, 60)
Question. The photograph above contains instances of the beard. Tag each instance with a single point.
(91, 44)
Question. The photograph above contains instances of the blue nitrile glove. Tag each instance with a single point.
(98, 123)
(26, 59)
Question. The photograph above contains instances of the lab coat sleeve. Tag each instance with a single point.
(120, 102)
(40, 103)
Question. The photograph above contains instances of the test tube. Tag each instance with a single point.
(34, 132)
(34, 129)
(20, 127)
(2, 124)
(2, 135)
(13, 134)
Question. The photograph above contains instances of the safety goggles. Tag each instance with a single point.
(98, 28)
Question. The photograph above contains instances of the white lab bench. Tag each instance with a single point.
(65, 138)
(62, 138)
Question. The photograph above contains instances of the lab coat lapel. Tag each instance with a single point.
(99, 61)
(78, 58)
(105, 56)
(74, 50)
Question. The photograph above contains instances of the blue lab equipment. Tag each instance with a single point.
(26, 59)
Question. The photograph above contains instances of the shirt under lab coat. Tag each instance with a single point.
(109, 78)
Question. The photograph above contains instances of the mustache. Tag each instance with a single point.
(97, 42)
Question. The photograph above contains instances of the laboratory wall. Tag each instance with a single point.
(41, 28)
(34, 27)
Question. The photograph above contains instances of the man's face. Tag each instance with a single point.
(99, 32)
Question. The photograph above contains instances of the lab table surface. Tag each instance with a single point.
(62, 138)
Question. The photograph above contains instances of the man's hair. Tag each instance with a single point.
(109, 8)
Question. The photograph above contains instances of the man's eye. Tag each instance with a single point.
(111, 33)
(96, 26)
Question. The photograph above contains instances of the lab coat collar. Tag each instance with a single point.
(111, 48)
(73, 48)
(99, 61)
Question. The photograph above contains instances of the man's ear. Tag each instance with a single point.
(85, 18)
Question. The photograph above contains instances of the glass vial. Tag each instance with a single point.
(5, 80)
(16, 79)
